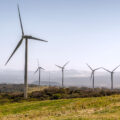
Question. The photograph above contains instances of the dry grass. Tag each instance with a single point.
(33, 89)
(96, 108)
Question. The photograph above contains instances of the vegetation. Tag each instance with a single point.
(10, 88)
(61, 104)
(94, 108)
(52, 93)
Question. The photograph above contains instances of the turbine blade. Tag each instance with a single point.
(36, 71)
(106, 70)
(116, 68)
(42, 68)
(66, 64)
(20, 20)
(89, 66)
(18, 45)
(91, 76)
(34, 38)
(97, 68)
(58, 66)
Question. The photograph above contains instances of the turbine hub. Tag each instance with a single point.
(26, 36)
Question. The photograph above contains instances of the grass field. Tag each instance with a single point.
(94, 108)
(36, 88)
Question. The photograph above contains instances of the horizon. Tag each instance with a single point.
(72, 78)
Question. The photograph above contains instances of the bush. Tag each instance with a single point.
(57, 93)
(56, 96)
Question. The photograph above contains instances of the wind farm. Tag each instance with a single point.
(77, 34)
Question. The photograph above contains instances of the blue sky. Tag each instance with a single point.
(82, 31)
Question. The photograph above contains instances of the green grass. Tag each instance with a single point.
(95, 108)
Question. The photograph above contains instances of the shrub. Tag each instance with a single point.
(56, 96)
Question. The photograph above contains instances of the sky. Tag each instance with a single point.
(82, 31)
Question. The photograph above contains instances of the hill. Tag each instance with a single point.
(72, 78)
(70, 104)
(95, 108)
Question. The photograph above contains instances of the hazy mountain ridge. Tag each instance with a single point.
(72, 78)
(46, 83)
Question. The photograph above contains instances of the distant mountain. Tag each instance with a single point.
(72, 78)
(46, 83)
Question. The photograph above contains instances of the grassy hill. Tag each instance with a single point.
(94, 108)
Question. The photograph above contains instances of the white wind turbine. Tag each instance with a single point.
(39, 71)
(93, 75)
(26, 38)
(62, 68)
(111, 73)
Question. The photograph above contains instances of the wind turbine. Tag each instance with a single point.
(39, 70)
(111, 73)
(93, 74)
(62, 68)
(26, 37)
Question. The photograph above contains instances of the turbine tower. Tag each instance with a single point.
(26, 38)
(111, 73)
(93, 75)
(39, 70)
(62, 68)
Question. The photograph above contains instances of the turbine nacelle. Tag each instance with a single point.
(41, 68)
(26, 36)
(33, 38)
